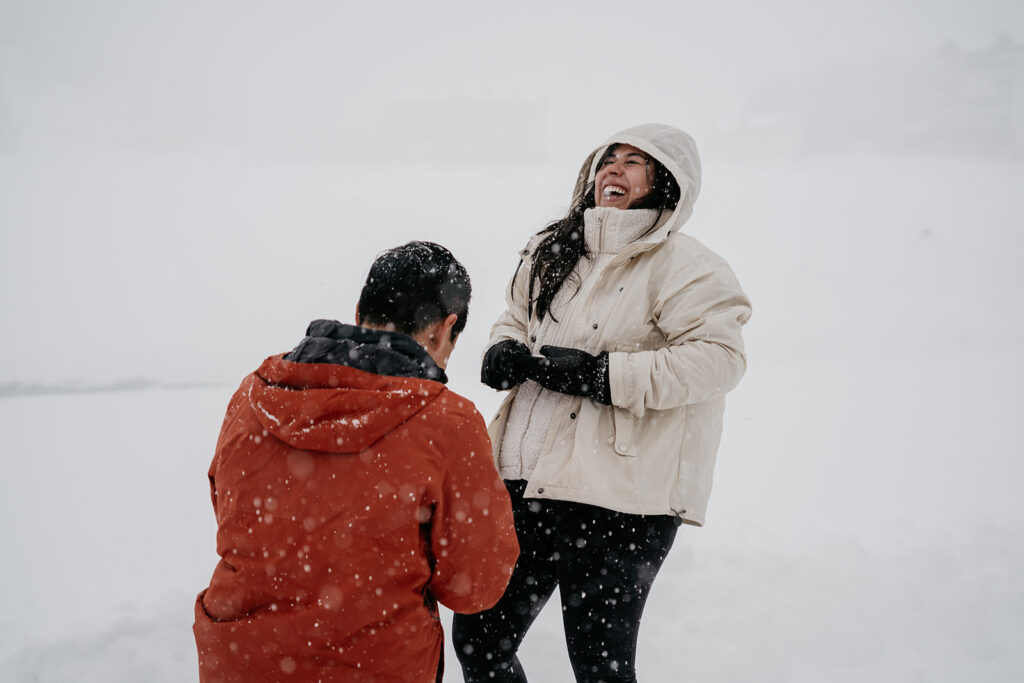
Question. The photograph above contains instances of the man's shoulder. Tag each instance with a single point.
(448, 424)
(455, 406)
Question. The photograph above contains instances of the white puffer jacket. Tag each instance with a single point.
(669, 312)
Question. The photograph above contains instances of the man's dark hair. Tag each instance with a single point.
(414, 286)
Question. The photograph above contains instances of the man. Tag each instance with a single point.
(352, 492)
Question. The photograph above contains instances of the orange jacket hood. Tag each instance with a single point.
(333, 408)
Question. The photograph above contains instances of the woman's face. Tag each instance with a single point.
(626, 176)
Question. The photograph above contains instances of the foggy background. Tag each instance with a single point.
(178, 179)
(185, 185)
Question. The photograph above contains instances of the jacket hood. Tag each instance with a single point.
(333, 408)
(675, 149)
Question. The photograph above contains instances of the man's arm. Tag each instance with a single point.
(473, 536)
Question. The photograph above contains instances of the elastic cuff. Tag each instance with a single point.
(603, 390)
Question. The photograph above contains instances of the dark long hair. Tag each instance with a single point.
(564, 244)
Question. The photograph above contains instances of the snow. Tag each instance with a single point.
(866, 524)
(866, 521)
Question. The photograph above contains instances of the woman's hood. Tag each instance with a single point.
(672, 147)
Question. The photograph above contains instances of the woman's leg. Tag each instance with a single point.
(604, 582)
(486, 642)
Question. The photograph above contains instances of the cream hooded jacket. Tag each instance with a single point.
(669, 312)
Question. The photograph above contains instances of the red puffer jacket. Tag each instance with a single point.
(346, 503)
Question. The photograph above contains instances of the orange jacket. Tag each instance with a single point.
(346, 503)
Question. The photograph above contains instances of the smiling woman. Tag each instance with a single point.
(624, 177)
(620, 340)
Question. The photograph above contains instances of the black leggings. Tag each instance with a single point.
(603, 563)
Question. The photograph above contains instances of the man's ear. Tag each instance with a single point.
(437, 339)
(439, 333)
(357, 314)
(444, 328)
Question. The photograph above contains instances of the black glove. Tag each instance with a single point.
(505, 364)
(571, 371)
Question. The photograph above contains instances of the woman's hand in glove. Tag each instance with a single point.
(571, 371)
(505, 364)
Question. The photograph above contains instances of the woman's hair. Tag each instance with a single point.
(560, 250)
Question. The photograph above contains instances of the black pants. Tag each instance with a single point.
(603, 563)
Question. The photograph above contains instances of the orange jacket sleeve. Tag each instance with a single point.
(473, 536)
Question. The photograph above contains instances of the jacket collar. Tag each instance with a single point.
(377, 351)
(609, 230)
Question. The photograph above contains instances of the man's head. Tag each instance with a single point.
(419, 289)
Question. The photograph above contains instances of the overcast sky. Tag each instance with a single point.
(301, 75)
(152, 152)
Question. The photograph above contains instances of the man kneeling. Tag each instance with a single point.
(353, 491)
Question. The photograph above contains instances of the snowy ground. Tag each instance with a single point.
(866, 522)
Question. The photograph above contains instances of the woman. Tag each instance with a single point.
(619, 342)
